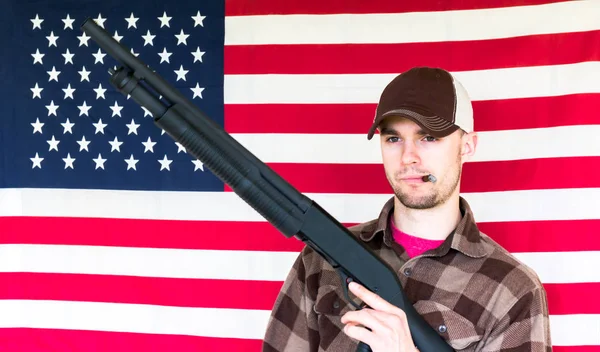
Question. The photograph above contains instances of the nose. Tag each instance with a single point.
(410, 153)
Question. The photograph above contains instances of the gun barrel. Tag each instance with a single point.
(292, 213)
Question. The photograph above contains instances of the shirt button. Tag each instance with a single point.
(336, 304)
(407, 271)
(442, 328)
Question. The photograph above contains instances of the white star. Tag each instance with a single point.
(181, 73)
(52, 108)
(37, 126)
(131, 21)
(132, 126)
(134, 53)
(68, 22)
(83, 109)
(37, 161)
(198, 19)
(100, 20)
(131, 162)
(37, 57)
(53, 144)
(197, 91)
(117, 37)
(115, 145)
(99, 126)
(180, 148)
(83, 144)
(182, 37)
(164, 20)
(116, 109)
(99, 57)
(198, 54)
(164, 163)
(69, 91)
(37, 22)
(164, 56)
(68, 126)
(69, 161)
(85, 75)
(37, 91)
(99, 162)
(100, 91)
(68, 56)
(198, 165)
(52, 39)
(146, 112)
(83, 39)
(148, 38)
(53, 74)
(149, 145)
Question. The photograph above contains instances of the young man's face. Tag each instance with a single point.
(409, 154)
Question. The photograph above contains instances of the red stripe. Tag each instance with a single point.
(521, 236)
(545, 236)
(562, 298)
(35, 340)
(513, 175)
(248, 236)
(576, 298)
(490, 115)
(268, 7)
(535, 50)
(236, 294)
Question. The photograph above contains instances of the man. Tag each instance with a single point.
(471, 291)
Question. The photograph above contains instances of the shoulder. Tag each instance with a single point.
(507, 269)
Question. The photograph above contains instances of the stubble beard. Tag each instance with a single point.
(439, 194)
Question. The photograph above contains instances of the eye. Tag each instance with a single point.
(392, 139)
(430, 139)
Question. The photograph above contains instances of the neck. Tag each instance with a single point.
(432, 224)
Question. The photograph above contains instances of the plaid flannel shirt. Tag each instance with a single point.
(475, 294)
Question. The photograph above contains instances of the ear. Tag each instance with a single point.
(468, 146)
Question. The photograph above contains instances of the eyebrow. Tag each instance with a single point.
(391, 131)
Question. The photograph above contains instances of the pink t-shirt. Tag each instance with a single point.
(413, 245)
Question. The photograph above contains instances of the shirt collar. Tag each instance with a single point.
(465, 238)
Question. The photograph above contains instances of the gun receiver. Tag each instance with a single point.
(288, 210)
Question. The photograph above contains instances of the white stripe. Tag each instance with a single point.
(148, 262)
(529, 205)
(137, 318)
(555, 267)
(575, 329)
(552, 142)
(566, 330)
(413, 27)
(506, 83)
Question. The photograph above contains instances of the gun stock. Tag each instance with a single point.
(288, 210)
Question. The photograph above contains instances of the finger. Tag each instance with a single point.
(368, 318)
(361, 334)
(372, 299)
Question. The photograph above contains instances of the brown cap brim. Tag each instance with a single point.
(432, 125)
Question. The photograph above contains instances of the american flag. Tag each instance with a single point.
(114, 238)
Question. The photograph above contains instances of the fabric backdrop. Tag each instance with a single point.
(114, 238)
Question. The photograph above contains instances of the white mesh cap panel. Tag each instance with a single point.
(464, 108)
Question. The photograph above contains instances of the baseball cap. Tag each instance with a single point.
(431, 97)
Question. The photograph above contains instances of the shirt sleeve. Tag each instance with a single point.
(525, 327)
(292, 324)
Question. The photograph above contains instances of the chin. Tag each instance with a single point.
(418, 202)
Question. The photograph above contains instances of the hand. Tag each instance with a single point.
(388, 325)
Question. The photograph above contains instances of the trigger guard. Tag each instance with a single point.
(345, 281)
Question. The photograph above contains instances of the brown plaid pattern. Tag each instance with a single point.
(470, 290)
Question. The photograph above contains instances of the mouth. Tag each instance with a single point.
(413, 179)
